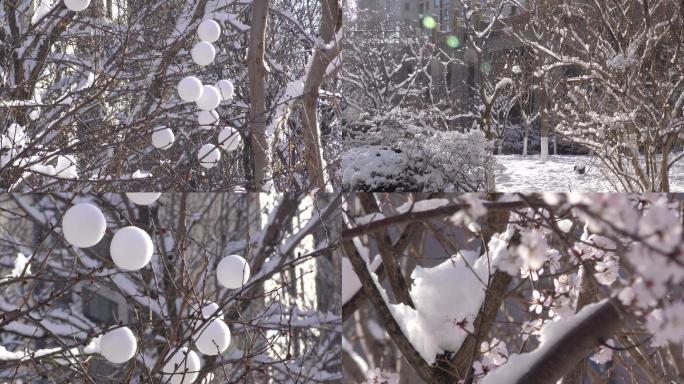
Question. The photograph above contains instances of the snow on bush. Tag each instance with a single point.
(227, 89)
(182, 367)
(210, 98)
(213, 338)
(408, 149)
(232, 272)
(131, 248)
(209, 31)
(118, 345)
(15, 136)
(84, 225)
(211, 310)
(143, 198)
(163, 138)
(424, 159)
(77, 5)
(66, 167)
(373, 168)
(203, 53)
(208, 155)
(207, 119)
(190, 89)
(229, 139)
(21, 266)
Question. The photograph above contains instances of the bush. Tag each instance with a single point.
(405, 155)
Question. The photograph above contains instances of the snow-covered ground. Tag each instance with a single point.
(517, 173)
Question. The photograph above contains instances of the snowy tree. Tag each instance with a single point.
(613, 82)
(513, 288)
(561, 78)
(401, 132)
(188, 288)
(89, 98)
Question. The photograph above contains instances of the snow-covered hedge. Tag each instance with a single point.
(403, 154)
(446, 161)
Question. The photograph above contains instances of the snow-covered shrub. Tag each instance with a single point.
(380, 168)
(405, 153)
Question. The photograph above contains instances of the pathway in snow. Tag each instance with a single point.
(529, 174)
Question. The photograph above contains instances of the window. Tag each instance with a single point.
(444, 18)
(442, 14)
(407, 6)
(99, 308)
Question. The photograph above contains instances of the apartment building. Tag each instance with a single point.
(445, 12)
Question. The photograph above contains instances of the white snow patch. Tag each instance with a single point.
(421, 206)
(527, 174)
(42, 9)
(440, 321)
(20, 263)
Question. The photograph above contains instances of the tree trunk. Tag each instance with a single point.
(555, 144)
(526, 128)
(543, 125)
(326, 50)
(664, 165)
(256, 68)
